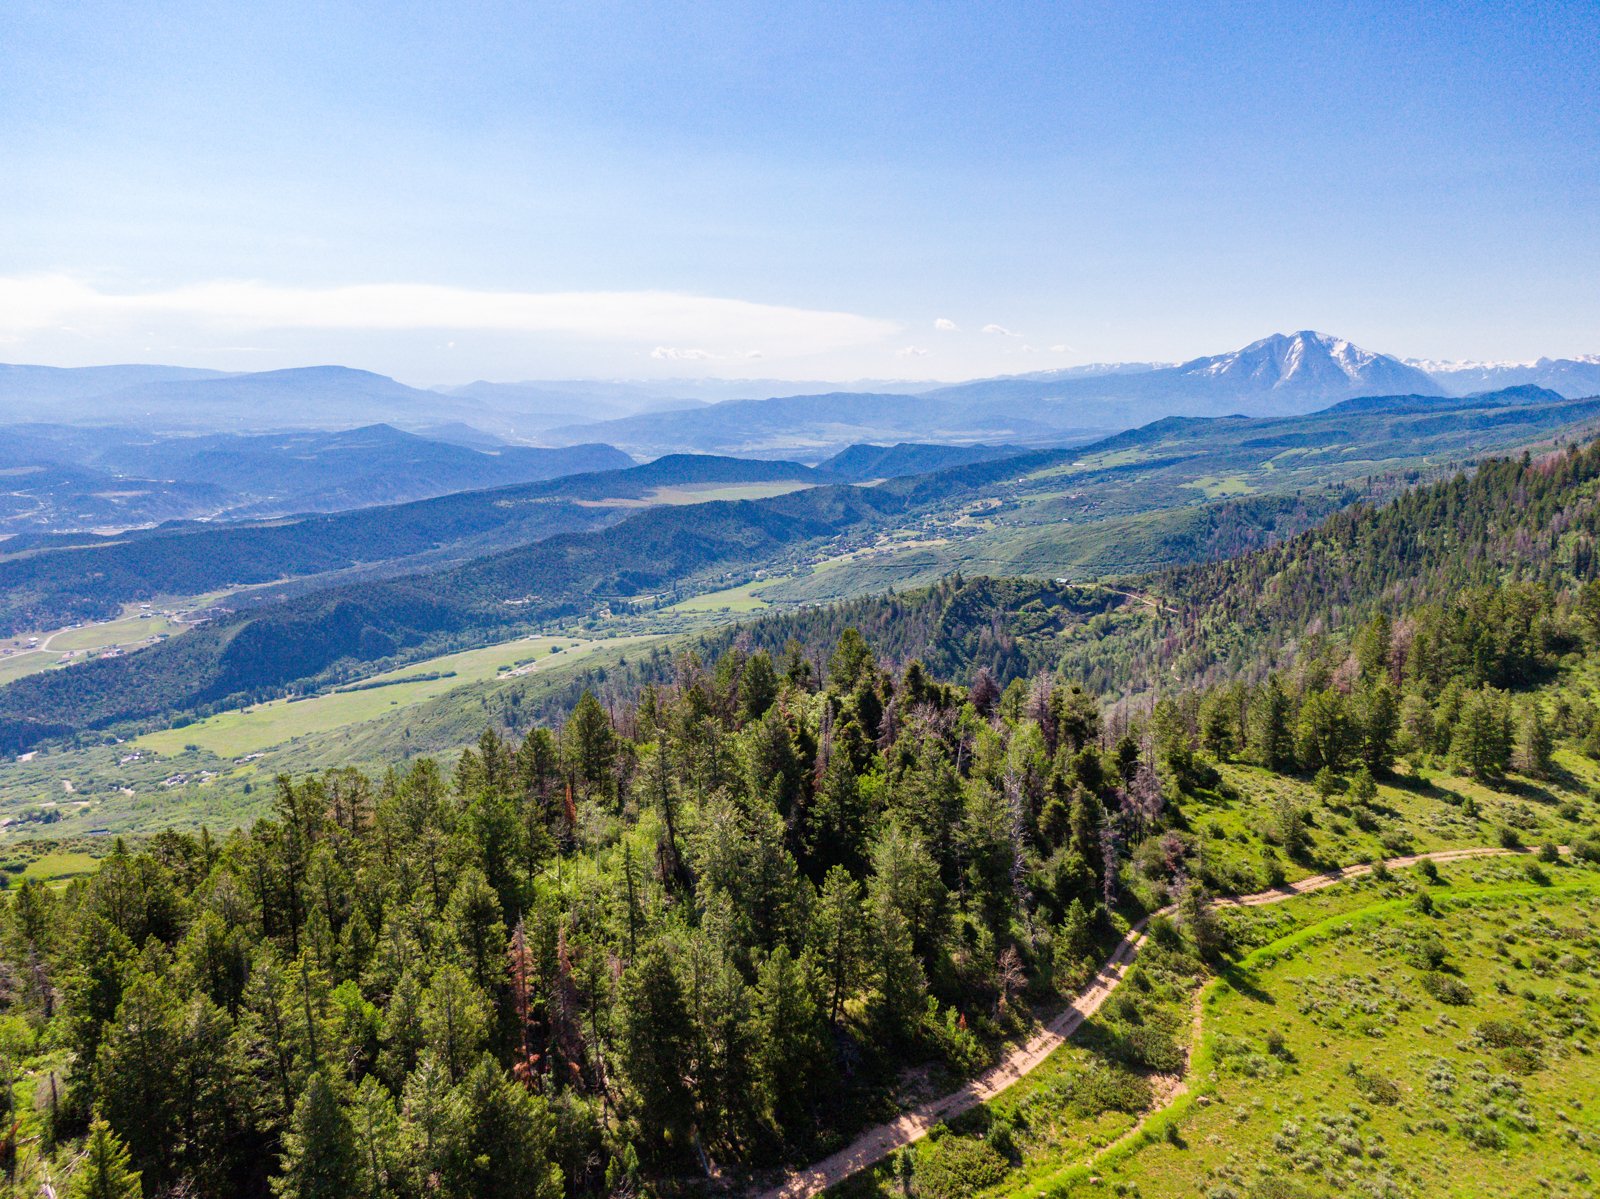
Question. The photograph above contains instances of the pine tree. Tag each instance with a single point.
(837, 933)
(758, 688)
(589, 745)
(1378, 725)
(1271, 735)
(1535, 746)
(1199, 920)
(105, 1172)
(793, 1055)
(655, 1034)
(504, 1144)
(851, 660)
(1322, 735)
(1482, 740)
(134, 1078)
(320, 1159)
(455, 1020)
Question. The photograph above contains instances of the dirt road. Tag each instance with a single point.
(877, 1143)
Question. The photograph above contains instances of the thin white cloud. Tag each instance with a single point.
(945, 325)
(1000, 330)
(912, 352)
(681, 354)
(1062, 349)
(55, 302)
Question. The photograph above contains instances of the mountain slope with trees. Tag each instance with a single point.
(708, 923)
(340, 632)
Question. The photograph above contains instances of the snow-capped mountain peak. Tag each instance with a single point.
(1311, 361)
(1573, 377)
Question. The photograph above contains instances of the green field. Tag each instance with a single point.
(59, 646)
(702, 493)
(15, 666)
(691, 494)
(743, 598)
(253, 730)
(1324, 1028)
(1216, 488)
(1399, 1051)
(54, 867)
(128, 631)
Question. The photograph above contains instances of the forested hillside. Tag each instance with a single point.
(706, 927)
(1529, 520)
(340, 632)
(43, 588)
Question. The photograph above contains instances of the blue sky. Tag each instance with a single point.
(444, 192)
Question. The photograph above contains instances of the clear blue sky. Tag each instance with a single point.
(448, 191)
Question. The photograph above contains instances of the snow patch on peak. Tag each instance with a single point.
(1286, 359)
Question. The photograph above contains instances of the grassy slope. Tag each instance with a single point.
(1381, 1087)
(361, 728)
(1327, 973)
(1057, 1121)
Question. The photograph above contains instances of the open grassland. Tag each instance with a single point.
(743, 598)
(59, 866)
(130, 630)
(180, 782)
(74, 644)
(1216, 488)
(254, 729)
(1438, 1047)
(692, 493)
(1357, 1040)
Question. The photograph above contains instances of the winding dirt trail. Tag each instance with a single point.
(877, 1143)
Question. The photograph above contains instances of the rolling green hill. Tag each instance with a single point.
(54, 585)
(826, 916)
(339, 633)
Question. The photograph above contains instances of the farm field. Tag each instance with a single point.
(63, 645)
(743, 598)
(701, 493)
(251, 730)
(218, 771)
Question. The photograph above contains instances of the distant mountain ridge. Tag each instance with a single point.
(1572, 377)
(861, 462)
(1281, 375)
(64, 478)
(322, 472)
(62, 579)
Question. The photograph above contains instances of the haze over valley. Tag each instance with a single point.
(747, 601)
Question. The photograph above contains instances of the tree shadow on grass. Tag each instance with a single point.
(1241, 982)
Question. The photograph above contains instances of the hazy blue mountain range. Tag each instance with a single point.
(51, 581)
(336, 397)
(1569, 376)
(60, 478)
(860, 462)
(1279, 375)
(813, 427)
